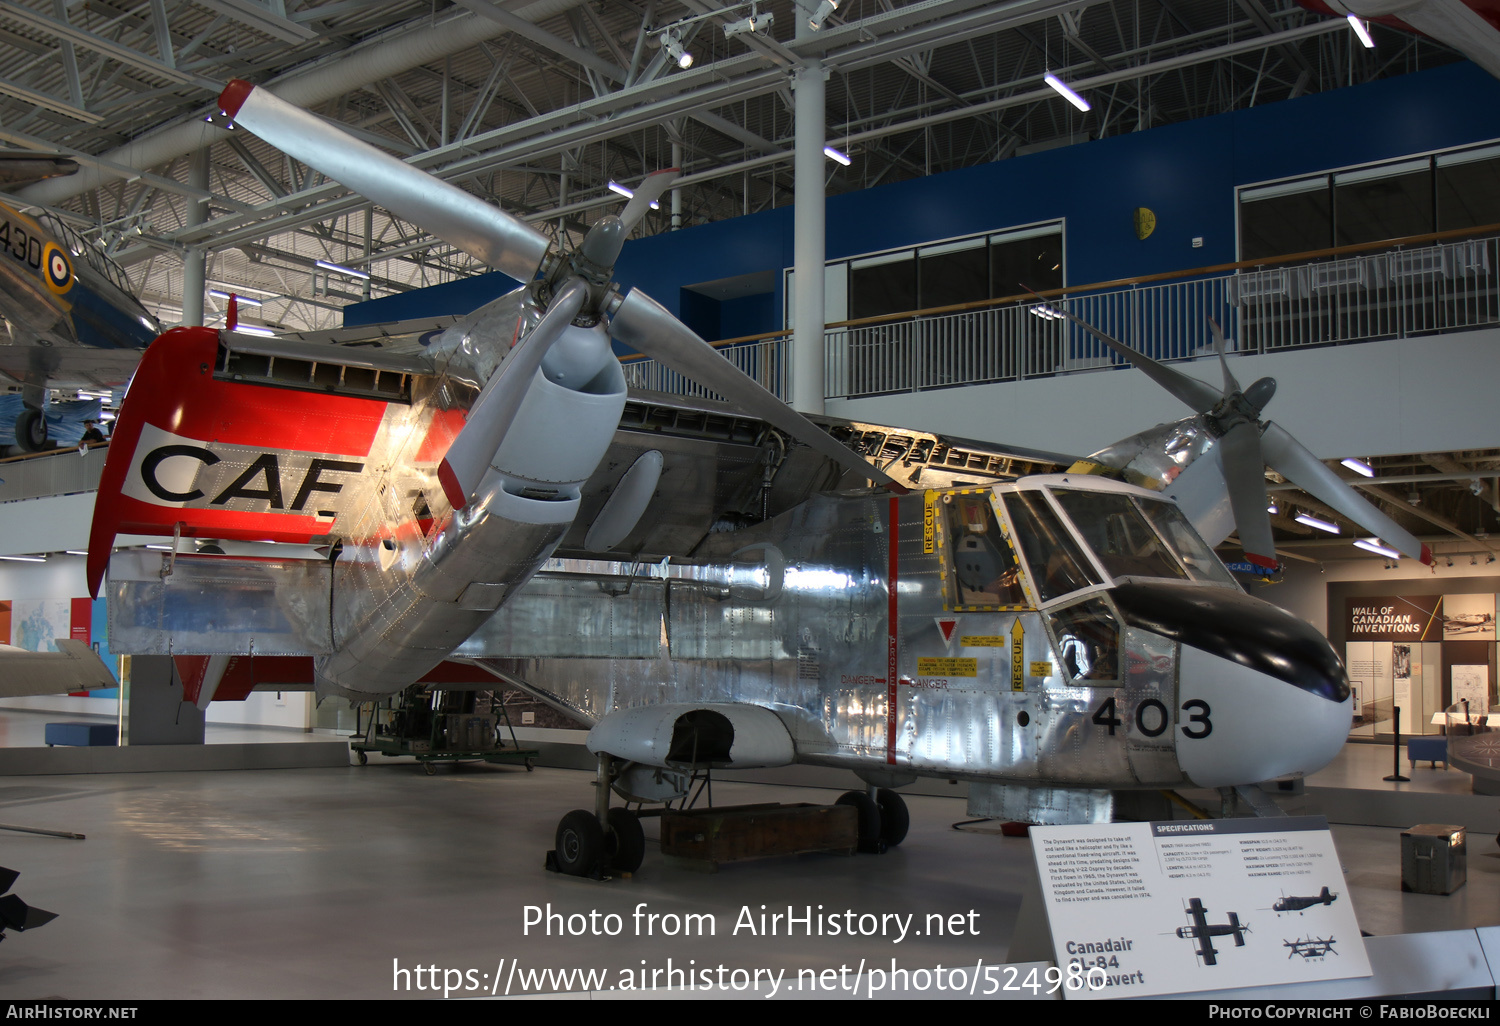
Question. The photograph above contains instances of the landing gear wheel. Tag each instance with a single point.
(626, 842)
(869, 820)
(580, 843)
(31, 431)
(894, 819)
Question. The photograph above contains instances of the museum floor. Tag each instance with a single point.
(323, 883)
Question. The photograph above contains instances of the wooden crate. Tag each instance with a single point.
(704, 838)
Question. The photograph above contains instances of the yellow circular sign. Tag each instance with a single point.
(1145, 222)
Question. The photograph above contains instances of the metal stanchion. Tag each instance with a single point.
(1396, 776)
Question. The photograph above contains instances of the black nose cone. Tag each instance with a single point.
(1234, 626)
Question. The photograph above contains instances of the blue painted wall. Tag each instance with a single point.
(1186, 173)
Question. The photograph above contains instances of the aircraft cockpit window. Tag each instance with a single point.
(1194, 552)
(1088, 641)
(984, 570)
(1120, 536)
(1057, 565)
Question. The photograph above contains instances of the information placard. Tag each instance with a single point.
(1182, 906)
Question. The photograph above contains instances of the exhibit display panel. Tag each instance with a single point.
(1418, 653)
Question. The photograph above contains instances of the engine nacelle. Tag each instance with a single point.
(682, 735)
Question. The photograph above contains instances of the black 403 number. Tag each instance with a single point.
(1152, 718)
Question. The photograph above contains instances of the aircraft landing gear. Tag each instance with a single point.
(599, 843)
(31, 431)
(883, 819)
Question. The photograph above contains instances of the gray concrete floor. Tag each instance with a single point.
(322, 883)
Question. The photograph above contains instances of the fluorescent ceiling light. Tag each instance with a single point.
(1362, 31)
(243, 300)
(1373, 545)
(833, 154)
(26, 559)
(1063, 91)
(1322, 525)
(629, 193)
(251, 329)
(341, 269)
(1359, 466)
(76, 552)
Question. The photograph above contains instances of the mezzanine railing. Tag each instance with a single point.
(1429, 284)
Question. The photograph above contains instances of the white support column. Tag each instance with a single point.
(676, 193)
(195, 263)
(809, 252)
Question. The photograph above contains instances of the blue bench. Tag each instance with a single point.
(1427, 749)
(82, 735)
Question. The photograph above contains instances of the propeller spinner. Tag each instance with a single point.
(577, 289)
(1248, 445)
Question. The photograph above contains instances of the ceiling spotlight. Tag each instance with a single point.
(1490, 558)
(1450, 560)
(1063, 91)
(1359, 467)
(1474, 560)
(1414, 498)
(1271, 509)
(1476, 486)
(825, 8)
(672, 43)
(754, 22)
(1362, 31)
(1322, 525)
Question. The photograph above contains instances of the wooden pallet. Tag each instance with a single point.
(702, 839)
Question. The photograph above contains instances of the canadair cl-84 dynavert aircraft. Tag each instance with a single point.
(706, 586)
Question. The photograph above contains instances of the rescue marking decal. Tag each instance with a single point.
(1018, 637)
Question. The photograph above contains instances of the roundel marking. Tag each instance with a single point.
(56, 268)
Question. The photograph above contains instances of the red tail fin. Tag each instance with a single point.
(254, 454)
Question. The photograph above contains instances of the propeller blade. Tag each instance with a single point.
(1230, 385)
(1289, 458)
(1245, 473)
(1200, 395)
(646, 326)
(483, 231)
(468, 458)
(648, 192)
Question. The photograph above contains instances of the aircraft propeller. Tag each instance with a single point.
(576, 288)
(1249, 445)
